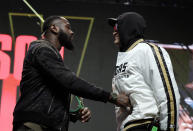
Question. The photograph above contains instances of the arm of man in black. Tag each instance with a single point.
(54, 67)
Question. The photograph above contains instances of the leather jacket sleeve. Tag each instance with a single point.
(53, 66)
(165, 88)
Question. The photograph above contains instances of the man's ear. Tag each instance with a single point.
(54, 29)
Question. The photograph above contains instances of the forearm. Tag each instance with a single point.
(84, 89)
(52, 65)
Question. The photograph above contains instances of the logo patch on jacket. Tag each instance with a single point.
(121, 68)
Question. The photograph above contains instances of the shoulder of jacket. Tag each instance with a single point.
(152, 45)
(149, 46)
(146, 44)
(142, 47)
(38, 44)
(157, 46)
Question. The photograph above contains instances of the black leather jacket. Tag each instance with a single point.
(46, 86)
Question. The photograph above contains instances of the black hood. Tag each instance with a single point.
(131, 27)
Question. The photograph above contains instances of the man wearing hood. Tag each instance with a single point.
(144, 72)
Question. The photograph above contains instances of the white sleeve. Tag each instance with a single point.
(163, 84)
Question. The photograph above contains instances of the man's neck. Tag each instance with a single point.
(54, 41)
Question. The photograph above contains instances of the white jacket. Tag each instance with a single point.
(151, 94)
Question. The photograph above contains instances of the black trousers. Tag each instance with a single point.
(140, 125)
(22, 128)
(144, 127)
(29, 126)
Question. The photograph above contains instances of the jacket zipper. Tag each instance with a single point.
(65, 113)
(63, 119)
(49, 109)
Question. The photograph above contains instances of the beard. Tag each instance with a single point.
(65, 40)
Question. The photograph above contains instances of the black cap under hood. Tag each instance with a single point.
(131, 27)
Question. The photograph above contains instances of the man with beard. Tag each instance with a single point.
(47, 83)
(144, 72)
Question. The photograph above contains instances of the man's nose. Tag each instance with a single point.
(71, 32)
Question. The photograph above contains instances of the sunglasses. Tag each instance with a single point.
(115, 27)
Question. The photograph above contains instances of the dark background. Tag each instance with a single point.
(168, 22)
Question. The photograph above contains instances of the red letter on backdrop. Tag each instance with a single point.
(8, 101)
(22, 42)
(6, 45)
(62, 52)
(11, 81)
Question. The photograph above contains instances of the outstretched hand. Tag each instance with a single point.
(123, 100)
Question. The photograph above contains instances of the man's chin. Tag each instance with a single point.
(69, 47)
(116, 42)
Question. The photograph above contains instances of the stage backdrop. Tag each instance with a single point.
(95, 54)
